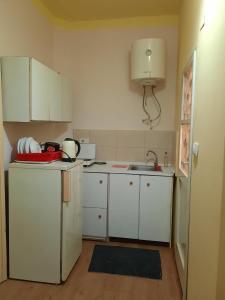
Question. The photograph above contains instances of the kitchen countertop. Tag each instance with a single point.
(57, 165)
(108, 168)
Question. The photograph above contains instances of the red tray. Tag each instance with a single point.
(39, 157)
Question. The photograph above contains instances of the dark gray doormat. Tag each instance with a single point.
(126, 261)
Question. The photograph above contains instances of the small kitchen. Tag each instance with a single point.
(112, 152)
(89, 158)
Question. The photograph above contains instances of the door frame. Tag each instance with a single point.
(182, 263)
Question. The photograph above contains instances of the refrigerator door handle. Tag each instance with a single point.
(66, 186)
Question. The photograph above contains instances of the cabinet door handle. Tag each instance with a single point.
(66, 186)
(100, 181)
(131, 183)
(148, 184)
(99, 216)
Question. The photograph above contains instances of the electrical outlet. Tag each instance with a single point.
(84, 140)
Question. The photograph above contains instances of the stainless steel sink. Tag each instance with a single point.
(141, 168)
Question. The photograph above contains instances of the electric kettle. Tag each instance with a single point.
(69, 151)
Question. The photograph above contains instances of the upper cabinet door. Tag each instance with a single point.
(15, 89)
(67, 107)
(40, 91)
(33, 92)
(55, 96)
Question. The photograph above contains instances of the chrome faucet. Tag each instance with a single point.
(155, 160)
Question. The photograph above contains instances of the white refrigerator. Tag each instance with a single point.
(45, 230)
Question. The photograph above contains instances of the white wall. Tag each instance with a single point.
(98, 63)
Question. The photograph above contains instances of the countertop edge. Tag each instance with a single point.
(109, 169)
(57, 165)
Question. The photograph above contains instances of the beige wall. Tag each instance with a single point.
(209, 131)
(25, 32)
(98, 62)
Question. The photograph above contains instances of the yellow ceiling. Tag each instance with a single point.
(90, 10)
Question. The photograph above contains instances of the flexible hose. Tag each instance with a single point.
(157, 101)
(149, 121)
(144, 103)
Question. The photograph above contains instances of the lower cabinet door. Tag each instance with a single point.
(94, 222)
(124, 206)
(155, 208)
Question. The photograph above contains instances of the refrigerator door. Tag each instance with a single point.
(34, 224)
(71, 221)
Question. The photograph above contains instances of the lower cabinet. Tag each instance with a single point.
(123, 206)
(95, 196)
(94, 222)
(140, 207)
(133, 206)
(155, 208)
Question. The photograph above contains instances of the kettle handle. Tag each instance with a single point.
(78, 147)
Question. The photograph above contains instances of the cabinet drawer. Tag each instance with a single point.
(95, 190)
(94, 222)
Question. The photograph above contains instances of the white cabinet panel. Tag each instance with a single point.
(71, 223)
(94, 222)
(55, 99)
(95, 190)
(124, 206)
(15, 88)
(155, 208)
(33, 92)
(66, 102)
(34, 224)
(40, 91)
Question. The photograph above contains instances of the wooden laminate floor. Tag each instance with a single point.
(82, 285)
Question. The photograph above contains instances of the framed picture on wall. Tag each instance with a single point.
(186, 116)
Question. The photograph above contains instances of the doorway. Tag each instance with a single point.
(183, 183)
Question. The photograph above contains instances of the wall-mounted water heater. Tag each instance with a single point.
(148, 61)
(148, 68)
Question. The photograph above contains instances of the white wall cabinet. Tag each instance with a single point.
(95, 195)
(33, 92)
(155, 208)
(39, 89)
(124, 206)
(67, 97)
(55, 97)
